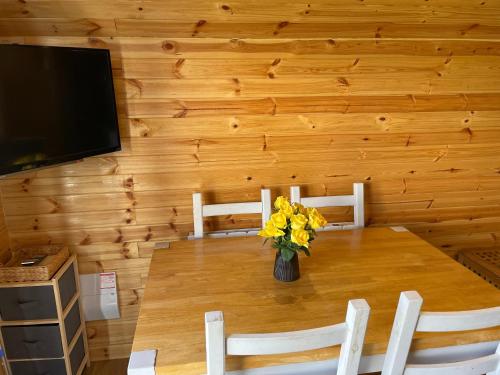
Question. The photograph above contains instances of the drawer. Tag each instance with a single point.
(25, 342)
(72, 322)
(30, 303)
(67, 286)
(47, 367)
(77, 354)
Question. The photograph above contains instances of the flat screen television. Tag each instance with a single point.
(57, 104)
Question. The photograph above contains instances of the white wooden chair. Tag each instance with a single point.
(350, 334)
(356, 200)
(410, 319)
(205, 210)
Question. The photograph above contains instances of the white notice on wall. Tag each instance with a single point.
(108, 280)
(99, 297)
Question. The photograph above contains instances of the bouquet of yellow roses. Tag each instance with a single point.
(292, 227)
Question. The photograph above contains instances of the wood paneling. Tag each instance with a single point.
(229, 97)
(4, 235)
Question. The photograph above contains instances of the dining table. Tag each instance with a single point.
(235, 275)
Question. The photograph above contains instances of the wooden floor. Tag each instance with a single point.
(111, 367)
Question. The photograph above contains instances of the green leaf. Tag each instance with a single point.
(287, 254)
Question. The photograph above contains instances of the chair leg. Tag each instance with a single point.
(358, 312)
(404, 325)
(215, 342)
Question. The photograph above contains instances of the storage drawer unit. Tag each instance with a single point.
(40, 341)
(30, 303)
(42, 327)
(37, 302)
(52, 367)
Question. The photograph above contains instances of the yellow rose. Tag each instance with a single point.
(287, 210)
(299, 209)
(300, 237)
(316, 220)
(299, 221)
(279, 220)
(271, 231)
(280, 202)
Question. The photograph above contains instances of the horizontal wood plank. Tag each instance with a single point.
(57, 26)
(287, 29)
(134, 47)
(241, 11)
(348, 84)
(306, 124)
(137, 108)
(87, 236)
(357, 65)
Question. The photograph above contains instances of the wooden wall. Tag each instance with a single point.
(4, 237)
(228, 97)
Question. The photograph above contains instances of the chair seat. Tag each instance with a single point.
(328, 367)
(337, 226)
(228, 233)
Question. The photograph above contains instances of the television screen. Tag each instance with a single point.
(56, 104)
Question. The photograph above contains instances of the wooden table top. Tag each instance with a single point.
(235, 275)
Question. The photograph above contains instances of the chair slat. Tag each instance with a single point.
(232, 209)
(286, 342)
(458, 321)
(477, 366)
(332, 201)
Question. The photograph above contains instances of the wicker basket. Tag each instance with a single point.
(5, 256)
(14, 272)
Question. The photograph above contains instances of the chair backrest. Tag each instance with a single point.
(201, 210)
(350, 334)
(356, 200)
(410, 319)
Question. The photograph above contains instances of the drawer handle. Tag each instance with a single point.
(25, 302)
